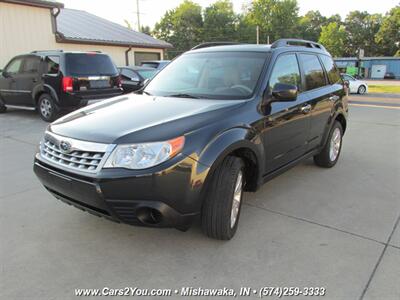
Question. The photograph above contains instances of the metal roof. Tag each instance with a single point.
(82, 27)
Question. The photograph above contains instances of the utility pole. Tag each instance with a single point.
(138, 15)
(258, 34)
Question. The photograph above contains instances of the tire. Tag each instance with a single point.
(221, 207)
(329, 155)
(47, 108)
(361, 89)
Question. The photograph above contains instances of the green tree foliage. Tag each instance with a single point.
(246, 32)
(220, 21)
(361, 29)
(188, 25)
(333, 37)
(182, 26)
(145, 29)
(310, 25)
(388, 36)
(276, 18)
(128, 24)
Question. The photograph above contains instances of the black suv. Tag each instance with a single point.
(215, 122)
(55, 81)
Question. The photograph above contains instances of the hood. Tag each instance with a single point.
(139, 118)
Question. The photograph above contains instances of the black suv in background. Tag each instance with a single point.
(215, 122)
(55, 81)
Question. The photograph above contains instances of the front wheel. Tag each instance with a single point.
(223, 199)
(361, 90)
(329, 155)
(47, 108)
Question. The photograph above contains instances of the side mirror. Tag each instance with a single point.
(5, 74)
(284, 92)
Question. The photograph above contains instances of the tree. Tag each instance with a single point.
(246, 31)
(310, 25)
(145, 29)
(220, 21)
(182, 26)
(128, 24)
(333, 37)
(276, 18)
(361, 29)
(388, 36)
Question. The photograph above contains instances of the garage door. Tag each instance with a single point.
(143, 56)
(378, 71)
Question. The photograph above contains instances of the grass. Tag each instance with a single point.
(390, 89)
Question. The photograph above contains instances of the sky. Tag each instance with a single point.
(151, 11)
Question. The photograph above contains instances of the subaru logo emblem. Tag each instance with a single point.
(65, 146)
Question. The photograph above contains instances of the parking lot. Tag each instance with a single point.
(310, 227)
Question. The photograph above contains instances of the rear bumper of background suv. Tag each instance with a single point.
(71, 100)
(164, 198)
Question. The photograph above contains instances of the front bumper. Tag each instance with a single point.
(168, 197)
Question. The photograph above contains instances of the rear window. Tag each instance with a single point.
(147, 74)
(333, 73)
(313, 72)
(150, 65)
(89, 64)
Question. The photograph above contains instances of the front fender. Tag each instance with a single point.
(229, 141)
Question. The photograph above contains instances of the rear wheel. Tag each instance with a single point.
(223, 199)
(329, 155)
(47, 108)
(361, 89)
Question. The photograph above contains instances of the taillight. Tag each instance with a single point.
(118, 81)
(67, 84)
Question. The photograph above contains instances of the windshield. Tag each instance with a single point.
(147, 74)
(89, 64)
(218, 75)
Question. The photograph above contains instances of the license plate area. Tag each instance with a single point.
(99, 84)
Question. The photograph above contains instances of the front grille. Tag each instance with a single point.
(77, 158)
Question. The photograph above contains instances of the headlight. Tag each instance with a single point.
(142, 156)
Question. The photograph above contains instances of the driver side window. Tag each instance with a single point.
(286, 70)
(14, 67)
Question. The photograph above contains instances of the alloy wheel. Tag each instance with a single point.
(237, 198)
(46, 108)
(335, 142)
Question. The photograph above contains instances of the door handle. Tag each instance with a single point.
(305, 109)
(334, 98)
(34, 80)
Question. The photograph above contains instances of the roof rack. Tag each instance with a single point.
(297, 42)
(54, 50)
(212, 44)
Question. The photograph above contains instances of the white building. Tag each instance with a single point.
(28, 25)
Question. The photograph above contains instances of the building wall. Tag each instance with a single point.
(26, 28)
(392, 65)
(23, 29)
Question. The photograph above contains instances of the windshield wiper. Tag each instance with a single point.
(184, 95)
(141, 91)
